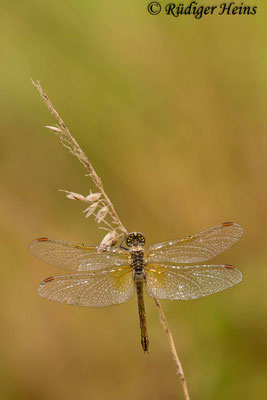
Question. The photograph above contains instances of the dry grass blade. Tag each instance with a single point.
(70, 143)
(178, 363)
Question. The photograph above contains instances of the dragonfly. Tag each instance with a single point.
(104, 276)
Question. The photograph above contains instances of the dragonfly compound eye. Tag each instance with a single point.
(135, 239)
(141, 239)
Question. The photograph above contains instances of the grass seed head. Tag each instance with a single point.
(101, 214)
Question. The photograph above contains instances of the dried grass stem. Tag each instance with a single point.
(175, 357)
(70, 143)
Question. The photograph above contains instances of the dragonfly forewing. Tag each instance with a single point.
(189, 282)
(109, 276)
(77, 257)
(196, 248)
(95, 289)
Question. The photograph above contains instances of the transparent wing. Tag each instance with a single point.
(77, 257)
(94, 289)
(196, 248)
(185, 282)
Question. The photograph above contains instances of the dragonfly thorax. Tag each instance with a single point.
(135, 239)
(137, 263)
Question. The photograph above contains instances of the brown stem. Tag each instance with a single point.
(175, 357)
(77, 151)
(68, 141)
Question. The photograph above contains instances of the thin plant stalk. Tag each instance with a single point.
(71, 144)
(180, 371)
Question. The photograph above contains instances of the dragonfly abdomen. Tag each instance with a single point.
(137, 263)
(142, 314)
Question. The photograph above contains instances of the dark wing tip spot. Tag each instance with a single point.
(229, 266)
(51, 278)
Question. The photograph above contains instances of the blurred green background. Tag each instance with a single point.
(172, 114)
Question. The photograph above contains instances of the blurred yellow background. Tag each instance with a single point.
(172, 114)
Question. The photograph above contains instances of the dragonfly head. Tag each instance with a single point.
(135, 239)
